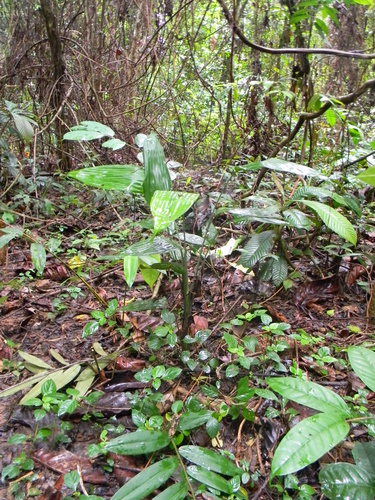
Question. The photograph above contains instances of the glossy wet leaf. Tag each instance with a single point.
(308, 441)
(209, 478)
(308, 394)
(209, 460)
(158, 245)
(290, 167)
(191, 420)
(364, 455)
(257, 248)
(362, 361)
(138, 443)
(347, 481)
(147, 481)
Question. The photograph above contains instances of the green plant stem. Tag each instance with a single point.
(183, 469)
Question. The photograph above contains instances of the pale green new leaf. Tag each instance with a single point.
(209, 460)
(333, 220)
(209, 478)
(257, 248)
(308, 441)
(368, 176)
(118, 177)
(114, 144)
(131, 263)
(362, 361)
(346, 481)
(88, 131)
(157, 176)
(309, 394)
(290, 167)
(38, 256)
(138, 443)
(60, 377)
(167, 206)
(147, 481)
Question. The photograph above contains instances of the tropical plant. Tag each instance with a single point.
(315, 436)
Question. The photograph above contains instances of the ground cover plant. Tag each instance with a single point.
(186, 250)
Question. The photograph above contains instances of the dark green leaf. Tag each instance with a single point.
(191, 420)
(177, 491)
(346, 481)
(209, 460)
(138, 443)
(209, 478)
(362, 361)
(148, 480)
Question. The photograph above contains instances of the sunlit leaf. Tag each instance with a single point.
(167, 206)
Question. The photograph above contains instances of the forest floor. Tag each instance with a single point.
(44, 315)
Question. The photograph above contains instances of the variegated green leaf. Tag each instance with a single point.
(167, 206)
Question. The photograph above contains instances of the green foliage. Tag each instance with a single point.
(314, 436)
(157, 176)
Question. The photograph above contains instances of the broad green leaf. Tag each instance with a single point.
(191, 420)
(173, 266)
(150, 275)
(158, 245)
(114, 144)
(331, 117)
(146, 305)
(309, 394)
(60, 377)
(157, 176)
(131, 263)
(364, 456)
(88, 131)
(138, 443)
(308, 441)
(257, 248)
(177, 491)
(267, 215)
(209, 460)
(167, 206)
(321, 193)
(321, 25)
(279, 269)
(362, 361)
(147, 481)
(209, 478)
(333, 220)
(119, 177)
(34, 360)
(368, 176)
(297, 219)
(38, 256)
(290, 167)
(346, 481)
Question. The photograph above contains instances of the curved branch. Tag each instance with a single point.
(287, 50)
(303, 117)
